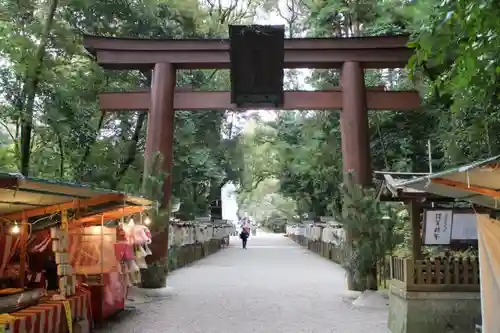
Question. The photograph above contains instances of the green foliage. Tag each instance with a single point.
(267, 206)
(49, 115)
(456, 56)
(154, 179)
(300, 152)
(455, 68)
(70, 138)
(371, 226)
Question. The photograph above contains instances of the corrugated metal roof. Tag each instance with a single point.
(394, 185)
(389, 185)
(463, 183)
(20, 194)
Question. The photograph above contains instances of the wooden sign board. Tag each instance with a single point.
(216, 210)
(215, 213)
(257, 56)
(438, 227)
(449, 227)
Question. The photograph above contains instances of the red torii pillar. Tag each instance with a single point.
(354, 126)
(160, 137)
(355, 136)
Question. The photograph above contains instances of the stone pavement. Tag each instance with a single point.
(273, 286)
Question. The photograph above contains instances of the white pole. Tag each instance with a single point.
(429, 151)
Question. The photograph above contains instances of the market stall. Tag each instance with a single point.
(107, 254)
(479, 184)
(53, 239)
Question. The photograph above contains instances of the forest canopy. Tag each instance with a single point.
(51, 125)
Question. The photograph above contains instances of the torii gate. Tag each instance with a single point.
(165, 56)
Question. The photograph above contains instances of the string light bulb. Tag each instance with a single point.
(147, 221)
(131, 222)
(15, 229)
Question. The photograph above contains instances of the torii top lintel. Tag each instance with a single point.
(129, 53)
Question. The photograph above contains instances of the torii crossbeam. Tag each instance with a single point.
(164, 57)
(376, 99)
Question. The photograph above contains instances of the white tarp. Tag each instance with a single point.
(308, 231)
(290, 230)
(489, 263)
(333, 235)
(316, 233)
(327, 235)
(171, 236)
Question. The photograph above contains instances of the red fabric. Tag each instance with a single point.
(8, 247)
(109, 298)
(39, 241)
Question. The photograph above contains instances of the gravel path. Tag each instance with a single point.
(274, 286)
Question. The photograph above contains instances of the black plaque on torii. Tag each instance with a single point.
(257, 54)
(216, 210)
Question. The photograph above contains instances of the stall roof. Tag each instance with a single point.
(32, 198)
(478, 183)
(390, 187)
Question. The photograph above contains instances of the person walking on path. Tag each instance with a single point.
(245, 233)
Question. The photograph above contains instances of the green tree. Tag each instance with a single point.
(371, 225)
(51, 122)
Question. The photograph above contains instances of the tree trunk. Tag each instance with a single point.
(352, 282)
(156, 275)
(30, 90)
(80, 170)
(131, 152)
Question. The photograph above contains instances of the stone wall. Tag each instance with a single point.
(189, 253)
(443, 312)
(191, 242)
(321, 238)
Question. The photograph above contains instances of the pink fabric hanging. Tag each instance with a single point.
(124, 251)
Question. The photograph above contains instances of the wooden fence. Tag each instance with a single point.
(336, 254)
(436, 274)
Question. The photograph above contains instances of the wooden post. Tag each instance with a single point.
(391, 267)
(160, 132)
(414, 210)
(64, 221)
(23, 241)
